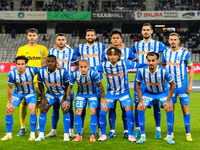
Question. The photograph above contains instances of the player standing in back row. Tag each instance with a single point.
(92, 52)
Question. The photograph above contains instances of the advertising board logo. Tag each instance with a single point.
(21, 15)
(2, 67)
(139, 14)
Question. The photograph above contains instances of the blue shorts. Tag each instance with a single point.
(17, 98)
(125, 100)
(98, 91)
(142, 86)
(183, 96)
(52, 99)
(154, 98)
(82, 99)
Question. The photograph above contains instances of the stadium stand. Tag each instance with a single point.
(9, 51)
(5, 5)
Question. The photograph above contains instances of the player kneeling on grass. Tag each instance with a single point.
(155, 78)
(22, 77)
(116, 72)
(56, 82)
(86, 79)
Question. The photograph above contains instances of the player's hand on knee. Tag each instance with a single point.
(141, 106)
(44, 102)
(9, 108)
(104, 102)
(168, 106)
(65, 105)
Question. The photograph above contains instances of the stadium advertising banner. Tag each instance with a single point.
(156, 15)
(68, 15)
(1, 15)
(24, 15)
(113, 16)
(189, 15)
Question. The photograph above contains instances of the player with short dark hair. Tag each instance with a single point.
(22, 77)
(56, 82)
(155, 78)
(37, 55)
(116, 73)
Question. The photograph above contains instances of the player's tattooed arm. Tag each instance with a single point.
(104, 101)
(65, 105)
(69, 91)
(65, 93)
(9, 93)
(44, 99)
(168, 106)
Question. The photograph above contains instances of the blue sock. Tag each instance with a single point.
(112, 118)
(78, 124)
(169, 122)
(187, 122)
(71, 112)
(66, 122)
(33, 122)
(141, 119)
(42, 121)
(130, 122)
(157, 114)
(83, 115)
(103, 121)
(55, 115)
(9, 123)
(173, 122)
(98, 113)
(93, 124)
(136, 116)
(125, 119)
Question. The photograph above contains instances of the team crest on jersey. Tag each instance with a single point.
(159, 78)
(58, 79)
(178, 58)
(29, 77)
(40, 52)
(66, 55)
(120, 69)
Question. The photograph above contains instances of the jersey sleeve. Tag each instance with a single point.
(99, 68)
(104, 57)
(95, 76)
(45, 53)
(20, 52)
(36, 70)
(188, 59)
(66, 77)
(39, 78)
(76, 54)
(168, 76)
(162, 47)
(131, 55)
(73, 79)
(139, 76)
(133, 49)
(74, 59)
(131, 64)
(163, 58)
(10, 78)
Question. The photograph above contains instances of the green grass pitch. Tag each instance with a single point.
(114, 143)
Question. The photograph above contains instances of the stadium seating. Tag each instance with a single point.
(9, 46)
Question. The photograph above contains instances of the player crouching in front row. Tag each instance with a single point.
(22, 77)
(86, 79)
(56, 82)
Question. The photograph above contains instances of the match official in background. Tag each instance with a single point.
(36, 54)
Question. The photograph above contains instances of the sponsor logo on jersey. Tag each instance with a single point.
(143, 52)
(90, 55)
(84, 83)
(173, 63)
(52, 84)
(115, 75)
(62, 60)
(147, 83)
(34, 58)
(24, 83)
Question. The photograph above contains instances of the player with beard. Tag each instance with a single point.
(92, 52)
(37, 55)
(176, 61)
(141, 49)
(64, 58)
(127, 54)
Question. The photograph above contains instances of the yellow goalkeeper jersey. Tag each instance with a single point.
(35, 55)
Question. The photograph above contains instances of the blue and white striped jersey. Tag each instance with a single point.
(117, 75)
(176, 64)
(23, 82)
(142, 48)
(55, 81)
(92, 53)
(64, 57)
(155, 82)
(127, 54)
(86, 83)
